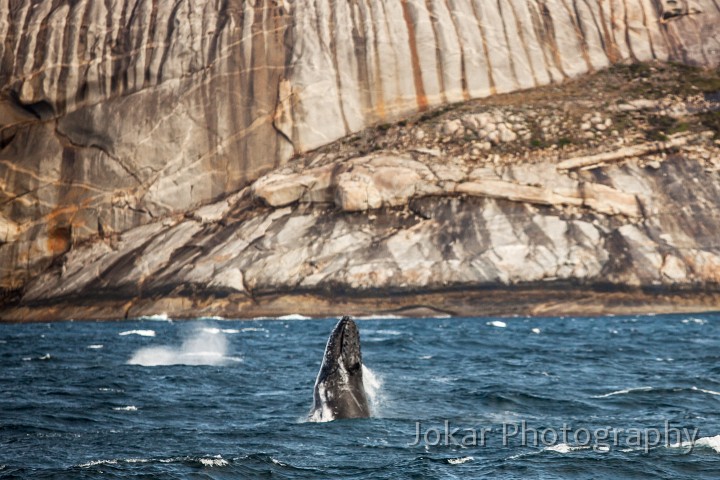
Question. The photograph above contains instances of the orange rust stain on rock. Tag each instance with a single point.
(422, 100)
(59, 240)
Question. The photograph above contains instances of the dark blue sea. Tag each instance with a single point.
(552, 398)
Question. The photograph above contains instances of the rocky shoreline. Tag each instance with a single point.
(499, 301)
(541, 202)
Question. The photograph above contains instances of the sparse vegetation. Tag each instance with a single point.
(619, 106)
(711, 120)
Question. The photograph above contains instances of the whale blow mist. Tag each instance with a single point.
(203, 346)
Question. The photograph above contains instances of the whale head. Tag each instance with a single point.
(339, 389)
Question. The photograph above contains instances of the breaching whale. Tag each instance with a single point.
(339, 390)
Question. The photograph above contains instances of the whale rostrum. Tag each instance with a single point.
(339, 389)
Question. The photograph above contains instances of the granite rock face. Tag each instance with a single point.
(354, 235)
(116, 113)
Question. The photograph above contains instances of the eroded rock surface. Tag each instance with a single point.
(354, 234)
(114, 114)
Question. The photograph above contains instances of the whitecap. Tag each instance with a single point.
(216, 330)
(388, 332)
(497, 323)
(159, 317)
(711, 392)
(535, 330)
(214, 462)
(254, 329)
(142, 333)
(95, 347)
(522, 455)
(293, 316)
(47, 356)
(698, 321)
(378, 317)
(93, 463)
(624, 391)
(426, 357)
(129, 408)
(712, 443)
(459, 461)
(566, 448)
(709, 442)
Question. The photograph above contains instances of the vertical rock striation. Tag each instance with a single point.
(115, 112)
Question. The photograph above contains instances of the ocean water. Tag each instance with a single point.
(221, 399)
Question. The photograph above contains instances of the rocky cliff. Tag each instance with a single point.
(123, 116)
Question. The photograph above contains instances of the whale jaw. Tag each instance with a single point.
(339, 389)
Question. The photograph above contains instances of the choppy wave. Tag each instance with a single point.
(142, 333)
(215, 330)
(497, 323)
(566, 448)
(388, 332)
(709, 442)
(459, 461)
(697, 321)
(702, 443)
(624, 392)
(293, 316)
(159, 317)
(215, 461)
(711, 392)
(77, 408)
(628, 391)
(47, 356)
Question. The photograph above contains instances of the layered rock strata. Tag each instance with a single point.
(419, 231)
